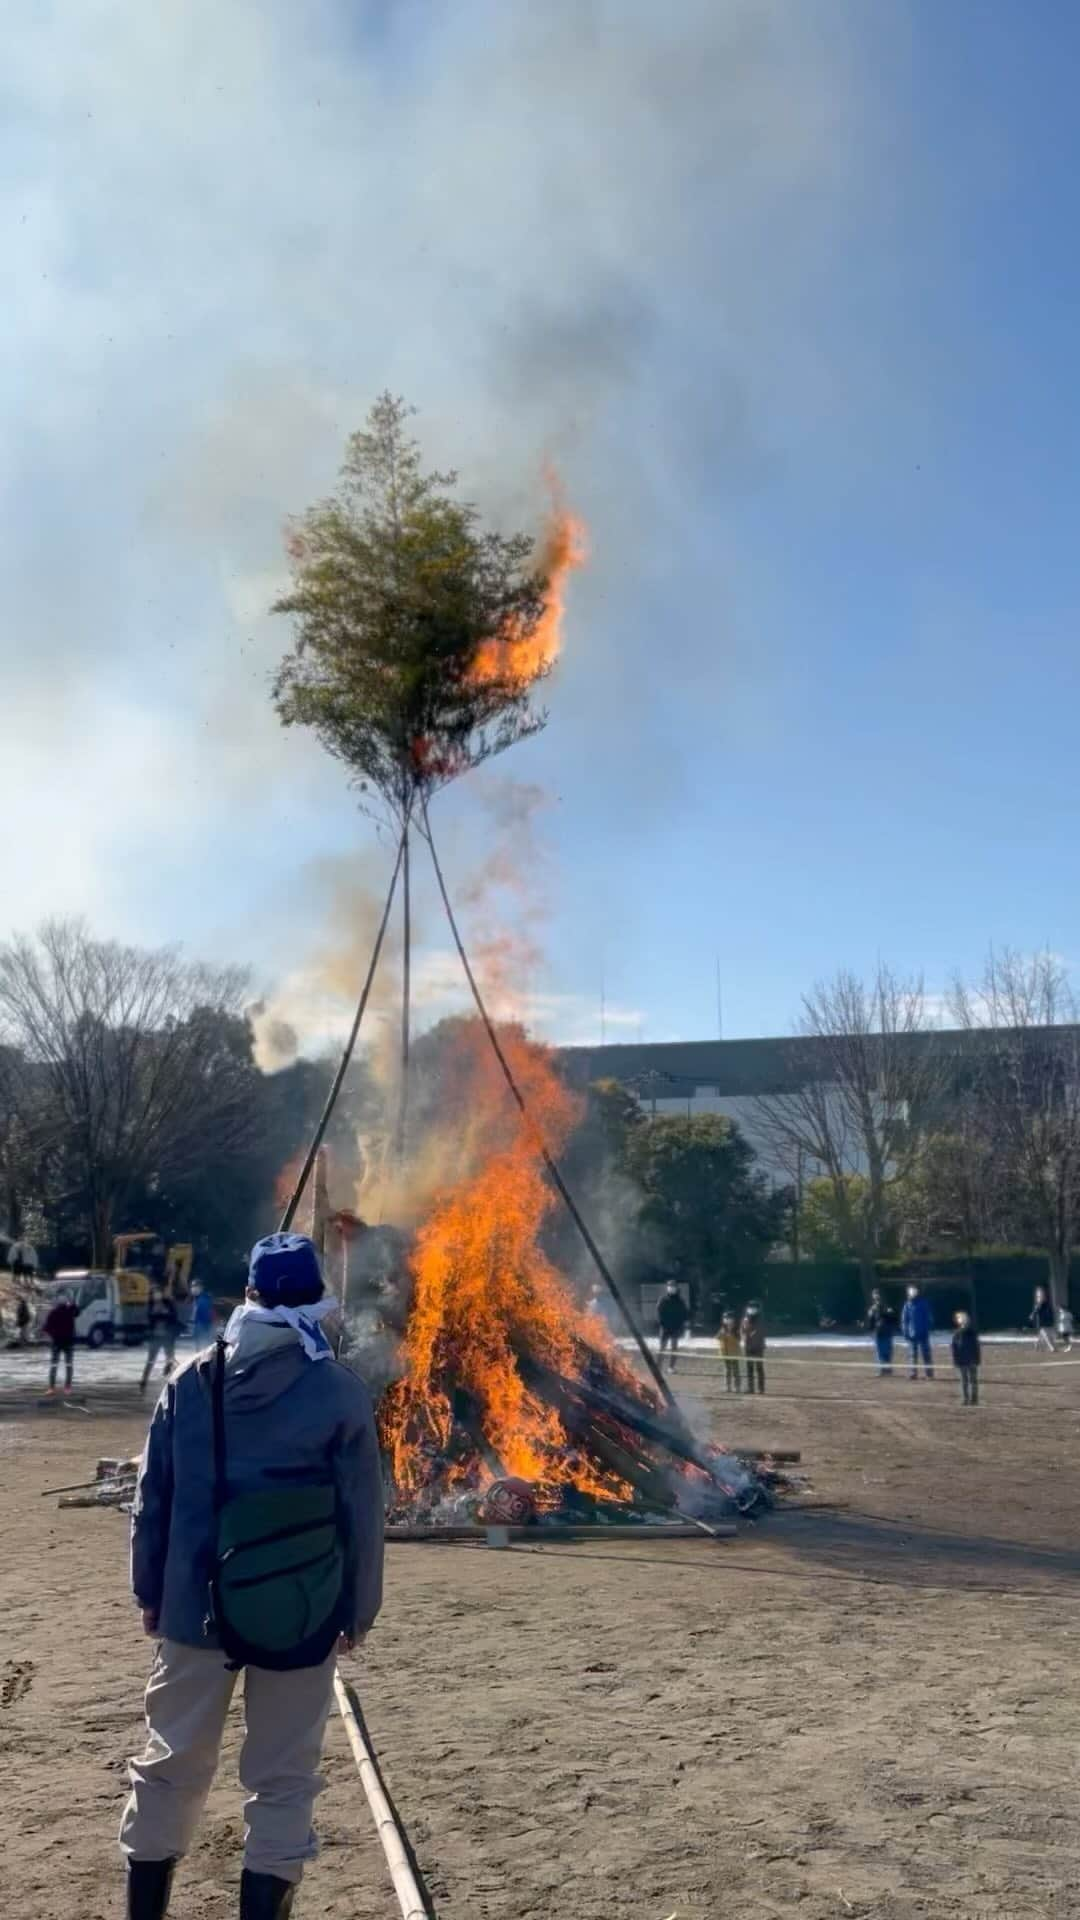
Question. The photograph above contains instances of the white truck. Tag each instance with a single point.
(108, 1307)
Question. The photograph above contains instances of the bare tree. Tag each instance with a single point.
(864, 1065)
(953, 1195)
(131, 1059)
(1025, 1096)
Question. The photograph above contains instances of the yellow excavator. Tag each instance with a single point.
(142, 1261)
(146, 1255)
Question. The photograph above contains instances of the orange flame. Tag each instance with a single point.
(519, 657)
(485, 1293)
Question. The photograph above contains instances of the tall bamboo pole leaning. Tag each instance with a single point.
(401, 1140)
(297, 1194)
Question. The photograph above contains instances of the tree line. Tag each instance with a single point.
(918, 1129)
(130, 1097)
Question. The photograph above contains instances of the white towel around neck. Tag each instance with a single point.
(303, 1321)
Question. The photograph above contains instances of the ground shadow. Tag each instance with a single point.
(910, 1553)
(853, 1549)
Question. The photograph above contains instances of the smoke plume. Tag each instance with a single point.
(566, 230)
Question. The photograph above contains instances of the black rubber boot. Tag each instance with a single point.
(148, 1888)
(264, 1897)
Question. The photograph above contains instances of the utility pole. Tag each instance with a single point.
(719, 1003)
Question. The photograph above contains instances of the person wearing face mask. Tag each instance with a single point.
(257, 1545)
(916, 1323)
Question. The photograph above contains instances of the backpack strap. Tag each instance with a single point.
(221, 1485)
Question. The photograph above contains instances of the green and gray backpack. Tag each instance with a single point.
(278, 1586)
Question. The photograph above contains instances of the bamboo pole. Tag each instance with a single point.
(783, 1456)
(387, 1826)
(650, 1425)
(347, 1052)
(567, 1530)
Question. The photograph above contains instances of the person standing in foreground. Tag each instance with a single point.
(1041, 1318)
(672, 1319)
(752, 1333)
(916, 1322)
(882, 1322)
(265, 1424)
(967, 1358)
(59, 1330)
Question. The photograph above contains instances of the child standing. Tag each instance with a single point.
(1065, 1327)
(728, 1339)
(967, 1358)
(752, 1333)
(882, 1323)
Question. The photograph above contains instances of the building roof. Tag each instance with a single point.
(668, 1068)
(672, 1067)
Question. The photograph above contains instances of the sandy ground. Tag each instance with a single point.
(863, 1709)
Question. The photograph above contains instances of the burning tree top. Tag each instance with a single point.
(420, 635)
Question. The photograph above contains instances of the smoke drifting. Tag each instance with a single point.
(564, 230)
(309, 1011)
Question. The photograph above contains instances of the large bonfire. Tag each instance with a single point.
(500, 1373)
(484, 1292)
(498, 1376)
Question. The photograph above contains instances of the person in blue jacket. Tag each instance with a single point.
(294, 1415)
(202, 1317)
(881, 1322)
(916, 1322)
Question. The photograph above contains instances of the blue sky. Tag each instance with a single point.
(789, 292)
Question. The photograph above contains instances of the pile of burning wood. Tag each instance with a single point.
(503, 1398)
(612, 1453)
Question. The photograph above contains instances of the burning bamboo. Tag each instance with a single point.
(639, 1419)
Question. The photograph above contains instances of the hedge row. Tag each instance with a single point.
(997, 1286)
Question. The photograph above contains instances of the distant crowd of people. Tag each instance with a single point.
(741, 1338)
(742, 1341)
(914, 1325)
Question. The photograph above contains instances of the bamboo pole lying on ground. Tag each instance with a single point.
(391, 1834)
(588, 1530)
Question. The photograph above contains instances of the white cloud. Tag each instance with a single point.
(577, 226)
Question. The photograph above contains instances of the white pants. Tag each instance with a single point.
(285, 1715)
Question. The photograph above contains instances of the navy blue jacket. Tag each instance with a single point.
(672, 1313)
(286, 1419)
(916, 1320)
(966, 1351)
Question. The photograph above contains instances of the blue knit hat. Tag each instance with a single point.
(284, 1271)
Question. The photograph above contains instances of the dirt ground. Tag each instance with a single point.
(868, 1708)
